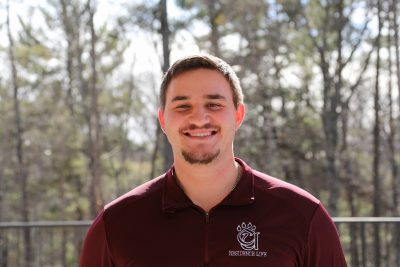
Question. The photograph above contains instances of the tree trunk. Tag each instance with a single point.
(348, 178)
(329, 119)
(396, 179)
(87, 113)
(161, 141)
(376, 146)
(3, 245)
(350, 188)
(213, 14)
(21, 171)
(96, 193)
(79, 185)
(392, 122)
(63, 204)
(165, 33)
(159, 137)
(334, 101)
(69, 34)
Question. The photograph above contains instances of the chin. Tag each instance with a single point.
(203, 159)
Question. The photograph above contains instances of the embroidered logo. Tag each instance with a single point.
(247, 236)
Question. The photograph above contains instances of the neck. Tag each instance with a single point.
(207, 185)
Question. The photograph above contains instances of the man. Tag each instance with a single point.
(210, 208)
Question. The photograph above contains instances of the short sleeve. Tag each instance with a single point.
(95, 252)
(323, 244)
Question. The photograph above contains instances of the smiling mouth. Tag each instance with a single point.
(200, 133)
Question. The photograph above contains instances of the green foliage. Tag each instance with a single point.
(279, 49)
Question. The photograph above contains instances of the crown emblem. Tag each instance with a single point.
(247, 236)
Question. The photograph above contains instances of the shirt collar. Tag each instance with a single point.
(174, 198)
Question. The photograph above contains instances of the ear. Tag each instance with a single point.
(240, 112)
(161, 118)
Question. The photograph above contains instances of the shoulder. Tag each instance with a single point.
(147, 192)
(279, 187)
(277, 192)
(95, 250)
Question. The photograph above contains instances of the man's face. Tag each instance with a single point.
(199, 118)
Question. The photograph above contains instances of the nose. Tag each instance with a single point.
(199, 117)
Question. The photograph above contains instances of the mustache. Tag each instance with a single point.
(195, 127)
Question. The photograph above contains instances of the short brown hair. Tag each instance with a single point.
(202, 61)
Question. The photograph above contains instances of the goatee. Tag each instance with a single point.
(194, 158)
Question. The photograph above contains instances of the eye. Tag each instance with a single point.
(182, 107)
(214, 106)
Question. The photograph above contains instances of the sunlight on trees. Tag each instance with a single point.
(79, 85)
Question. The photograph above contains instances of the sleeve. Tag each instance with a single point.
(323, 247)
(95, 252)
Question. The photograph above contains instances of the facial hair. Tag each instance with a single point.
(193, 158)
(197, 158)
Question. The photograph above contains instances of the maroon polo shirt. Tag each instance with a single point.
(262, 222)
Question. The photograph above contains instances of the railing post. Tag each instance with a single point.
(353, 245)
(397, 244)
(363, 246)
(3, 250)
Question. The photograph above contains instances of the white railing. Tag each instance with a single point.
(58, 243)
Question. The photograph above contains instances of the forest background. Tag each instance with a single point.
(79, 85)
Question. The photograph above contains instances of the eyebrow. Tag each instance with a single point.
(179, 98)
(211, 96)
(215, 96)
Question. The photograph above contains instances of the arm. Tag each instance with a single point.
(95, 252)
(323, 246)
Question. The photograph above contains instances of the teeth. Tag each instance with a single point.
(197, 133)
(200, 134)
